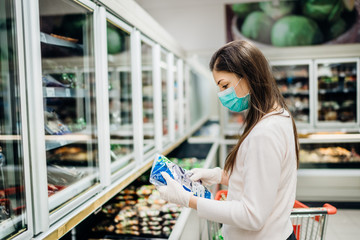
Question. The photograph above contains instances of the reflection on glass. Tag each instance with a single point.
(176, 98)
(164, 98)
(337, 92)
(12, 190)
(186, 119)
(120, 98)
(69, 98)
(293, 82)
(148, 96)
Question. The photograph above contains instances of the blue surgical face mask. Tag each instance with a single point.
(229, 99)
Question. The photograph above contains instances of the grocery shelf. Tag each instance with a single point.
(58, 92)
(48, 39)
(56, 141)
(10, 137)
(74, 189)
(337, 90)
(7, 226)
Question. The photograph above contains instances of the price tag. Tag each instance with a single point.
(43, 38)
(50, 92)
(67, 92)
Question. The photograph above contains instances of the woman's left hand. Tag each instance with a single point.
(174, 192)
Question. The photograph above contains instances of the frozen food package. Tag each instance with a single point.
(182, 176)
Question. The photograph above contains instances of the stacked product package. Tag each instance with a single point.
(140, 212)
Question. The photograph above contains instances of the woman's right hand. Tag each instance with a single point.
(207, 176)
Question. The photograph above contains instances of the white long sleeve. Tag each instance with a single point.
(262, 186)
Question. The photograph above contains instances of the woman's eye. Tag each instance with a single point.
(225, 86)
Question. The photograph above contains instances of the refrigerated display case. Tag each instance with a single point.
(68, 81)
(330, 150)
(164, 96)
(148, 94)
(294, 79)
(15, 205)
(337, 91)
(120, 94)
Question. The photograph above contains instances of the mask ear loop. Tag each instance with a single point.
(238, 82)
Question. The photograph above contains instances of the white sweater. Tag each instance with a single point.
(262, 186)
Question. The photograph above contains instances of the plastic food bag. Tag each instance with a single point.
(182, 176)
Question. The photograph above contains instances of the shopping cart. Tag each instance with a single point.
(309, 223)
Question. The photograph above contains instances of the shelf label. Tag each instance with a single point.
(50, 92)
(67, 92)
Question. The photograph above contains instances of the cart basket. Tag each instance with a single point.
(309, 223)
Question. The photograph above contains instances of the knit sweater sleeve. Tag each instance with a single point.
(262, 156)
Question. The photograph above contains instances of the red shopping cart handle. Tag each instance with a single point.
(326, 208)
(330, 208)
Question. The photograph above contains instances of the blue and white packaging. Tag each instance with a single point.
(182, 176)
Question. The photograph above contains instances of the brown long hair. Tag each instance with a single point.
(247, 61)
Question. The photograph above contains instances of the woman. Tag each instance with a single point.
(260, 171)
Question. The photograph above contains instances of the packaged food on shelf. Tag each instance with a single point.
(53, 125)
(137, 211)
(179, 174)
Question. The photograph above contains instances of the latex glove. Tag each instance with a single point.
(173, 191)
(207, 176)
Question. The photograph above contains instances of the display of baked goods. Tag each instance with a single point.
(329, 155)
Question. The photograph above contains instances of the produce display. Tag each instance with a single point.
(297, 23)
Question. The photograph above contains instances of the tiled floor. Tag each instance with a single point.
(344, 225)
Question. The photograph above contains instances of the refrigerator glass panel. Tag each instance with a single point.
(185, 96)
(196, 111)
(68, 79)
(337, 92)
(148, 96)
(164, 97)
(293, 82)
(120, 97)
(176, 98)
(13, 219)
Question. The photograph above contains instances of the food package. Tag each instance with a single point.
(182, 176)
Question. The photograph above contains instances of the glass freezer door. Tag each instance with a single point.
(68, 79)
(337, 92)
(176, 98)
(293, 81)
(148, 96)
(13, 218)
(164, 94)
(120, 97)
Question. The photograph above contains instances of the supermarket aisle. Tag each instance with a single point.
(344, 225)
